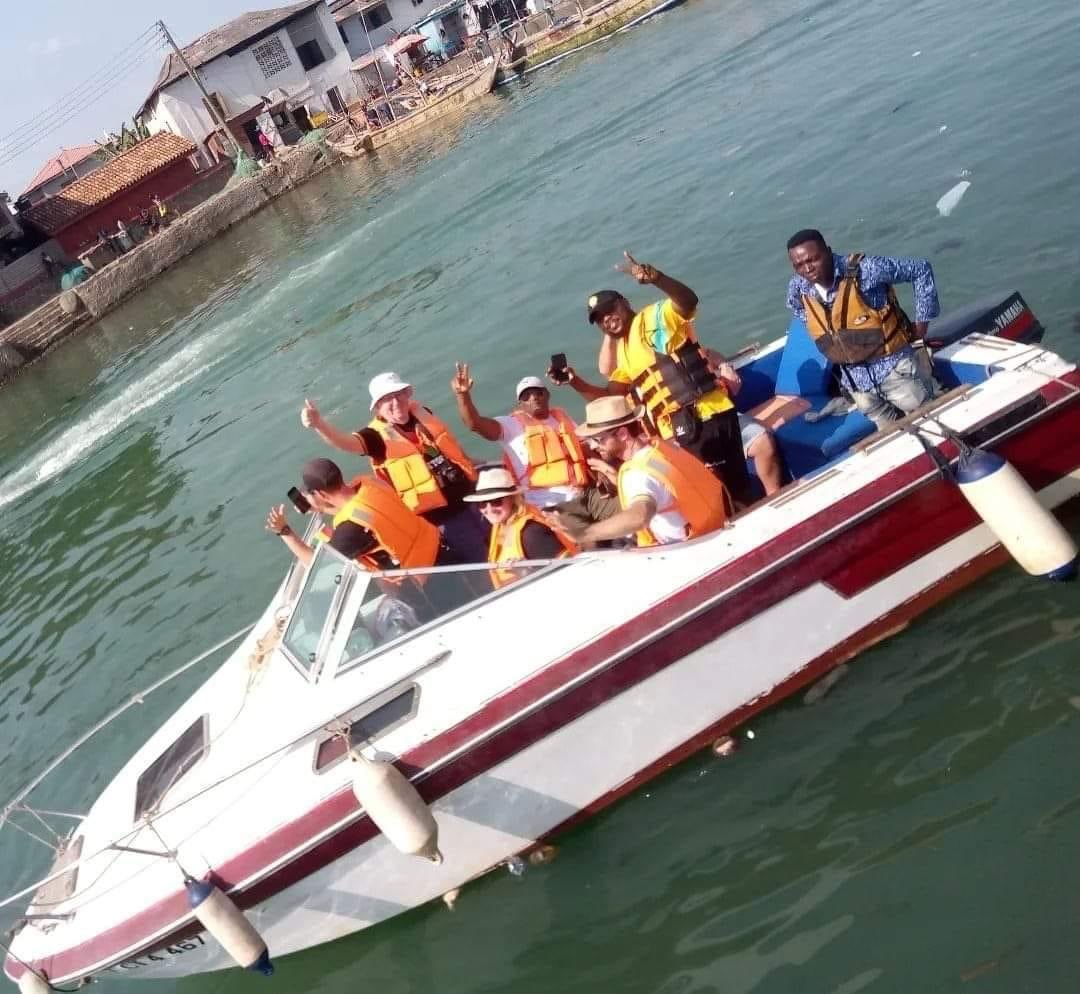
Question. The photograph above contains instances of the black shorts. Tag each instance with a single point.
(717, 442)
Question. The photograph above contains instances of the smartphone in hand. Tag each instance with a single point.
(299, 501)
(557, 369)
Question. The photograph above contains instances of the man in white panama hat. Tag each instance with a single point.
(666, 494)
(518, 530)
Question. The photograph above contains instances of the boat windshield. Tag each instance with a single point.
(346, 613)
(323, 590)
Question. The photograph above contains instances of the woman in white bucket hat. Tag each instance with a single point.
(414, 451)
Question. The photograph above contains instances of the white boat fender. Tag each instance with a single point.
(1009, 507)
(33, 983)
(395, 806)
(223, 920)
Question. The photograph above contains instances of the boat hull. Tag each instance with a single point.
(532, 53)
(442, 106)
(635, 703)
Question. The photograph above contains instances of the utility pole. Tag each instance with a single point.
(195, 78)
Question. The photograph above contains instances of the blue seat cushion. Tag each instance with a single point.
(804, 371)
(807, 446)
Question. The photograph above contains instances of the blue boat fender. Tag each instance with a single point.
(1011, 510)
(223, 920)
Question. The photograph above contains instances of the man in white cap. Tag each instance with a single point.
(413, 450)
(540, 447)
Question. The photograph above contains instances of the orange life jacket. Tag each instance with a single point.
(553, 456)
(506, 544)
(405, 467)
(699, 496)
(849, 331)
(409, 540)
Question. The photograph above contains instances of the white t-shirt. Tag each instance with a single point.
(667, 525)
(513, 443)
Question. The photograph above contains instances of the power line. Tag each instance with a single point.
(45, 126)
(48, 122)
(93, 79)
(52, 118)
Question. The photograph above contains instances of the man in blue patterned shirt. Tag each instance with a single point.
(850, 309)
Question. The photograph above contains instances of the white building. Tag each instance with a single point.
(379, 20)
(269, 69)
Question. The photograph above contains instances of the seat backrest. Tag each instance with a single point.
(804, 371)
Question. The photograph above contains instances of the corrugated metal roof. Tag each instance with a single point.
(221, 40)
(67, 158)
(133, 166)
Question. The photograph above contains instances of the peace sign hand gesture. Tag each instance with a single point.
(640, 271)
(462, 382)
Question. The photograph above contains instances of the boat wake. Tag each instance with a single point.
(73, 444)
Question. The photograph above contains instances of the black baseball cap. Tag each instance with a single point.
(601, 302)
(322, 474)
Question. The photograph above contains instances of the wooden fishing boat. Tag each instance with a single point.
(576, 30)
(434, 108)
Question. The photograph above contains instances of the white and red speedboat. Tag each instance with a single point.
(536, 705)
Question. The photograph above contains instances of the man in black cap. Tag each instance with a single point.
(371, 523)
(372, 526)
(654, 354)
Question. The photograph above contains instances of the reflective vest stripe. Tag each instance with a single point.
(405, 468)
(851, 332)
(405, 537)
(699, 496)
(553, 457)
(506, 548)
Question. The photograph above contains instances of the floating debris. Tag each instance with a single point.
(916, 53)
(825, 684)
(450, 898)
(543, 854)
(947, 204)
(516, 866)
(943, 129)
(725, 746)
(749, 733)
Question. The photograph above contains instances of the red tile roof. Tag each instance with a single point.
(68, 158)
(133, 166)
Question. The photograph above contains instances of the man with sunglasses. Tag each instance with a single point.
(666, 494)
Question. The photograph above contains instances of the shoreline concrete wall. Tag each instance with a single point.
(32, 336)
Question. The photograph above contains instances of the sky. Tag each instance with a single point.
(50, 47)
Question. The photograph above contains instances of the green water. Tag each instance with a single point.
(915, 830)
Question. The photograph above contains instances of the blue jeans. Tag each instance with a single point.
(908, 386)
